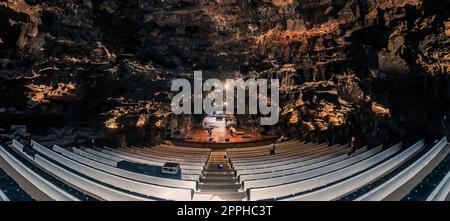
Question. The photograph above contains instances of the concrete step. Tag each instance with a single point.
(226, 195)
(220, 177)
(218, 180)
(219, 173)
(219, 186)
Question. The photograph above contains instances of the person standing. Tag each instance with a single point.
(273, 149)
(352, 145)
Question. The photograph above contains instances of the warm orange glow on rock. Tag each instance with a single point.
(111, 123)
(141, 121)
(380, 110)
(44, 93)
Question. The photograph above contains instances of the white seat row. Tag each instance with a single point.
(17, 144)
(308, 165)
(384, 190)
(163, 154)
(144, 160)
(87, 186)
(82, 184)
(442, 190)
(289, 189)
(180, 148)
(305, 165)
(186, 174)
(289, 163)
(348, 186)
(287, 155)
(3, 197)
(259, 148)
(288, 150)
(39, 182)
(96, 158)
(127, 174)
(116, 181)
(122, 154)
(301, 174)
(160, 159)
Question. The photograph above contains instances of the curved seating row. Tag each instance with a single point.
(387, 189)
(299, 174)
(294, 188)
(113, 161)
(300, 166)
(40, 183)
(132, 186)
(127, 174)
(442, 190)
(194, 170)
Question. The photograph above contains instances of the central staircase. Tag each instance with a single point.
(220, 182)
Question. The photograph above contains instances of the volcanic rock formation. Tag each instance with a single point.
(375, 69)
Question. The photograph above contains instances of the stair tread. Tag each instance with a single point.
(220, 182)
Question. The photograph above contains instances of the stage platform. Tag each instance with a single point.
(221, 138)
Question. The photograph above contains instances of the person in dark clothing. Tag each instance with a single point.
(272, 150)
(352, 145)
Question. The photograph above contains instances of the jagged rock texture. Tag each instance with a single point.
(374, 69)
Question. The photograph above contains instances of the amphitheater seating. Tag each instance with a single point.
(150, 160)
(280, 157)
(393, 187)
(126, 174)
(299, 160)
(25, 156)
(3, 197)
(40, 183)
(79, 182)
(442, 190)
(288, 189)
(144, 189)
(298, 171)
(10, 190)
(260, 148)
(296, 167)
(284, 177)
(117, 162)
(186, 174)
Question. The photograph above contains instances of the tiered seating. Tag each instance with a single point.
(321, 178)
(9, 187)
(3, 197)
(139, 188)
(302, 171)
(297, 171)
(394, 188)
(127, 174)
(297, 159)
(112, 158)
(433, 186)
(442, 190)
(75, 180)
(187, 167)
(306, 172)
(39, 182)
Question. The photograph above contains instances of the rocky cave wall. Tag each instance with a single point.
(374, 69)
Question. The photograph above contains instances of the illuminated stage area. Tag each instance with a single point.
(221, 137)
